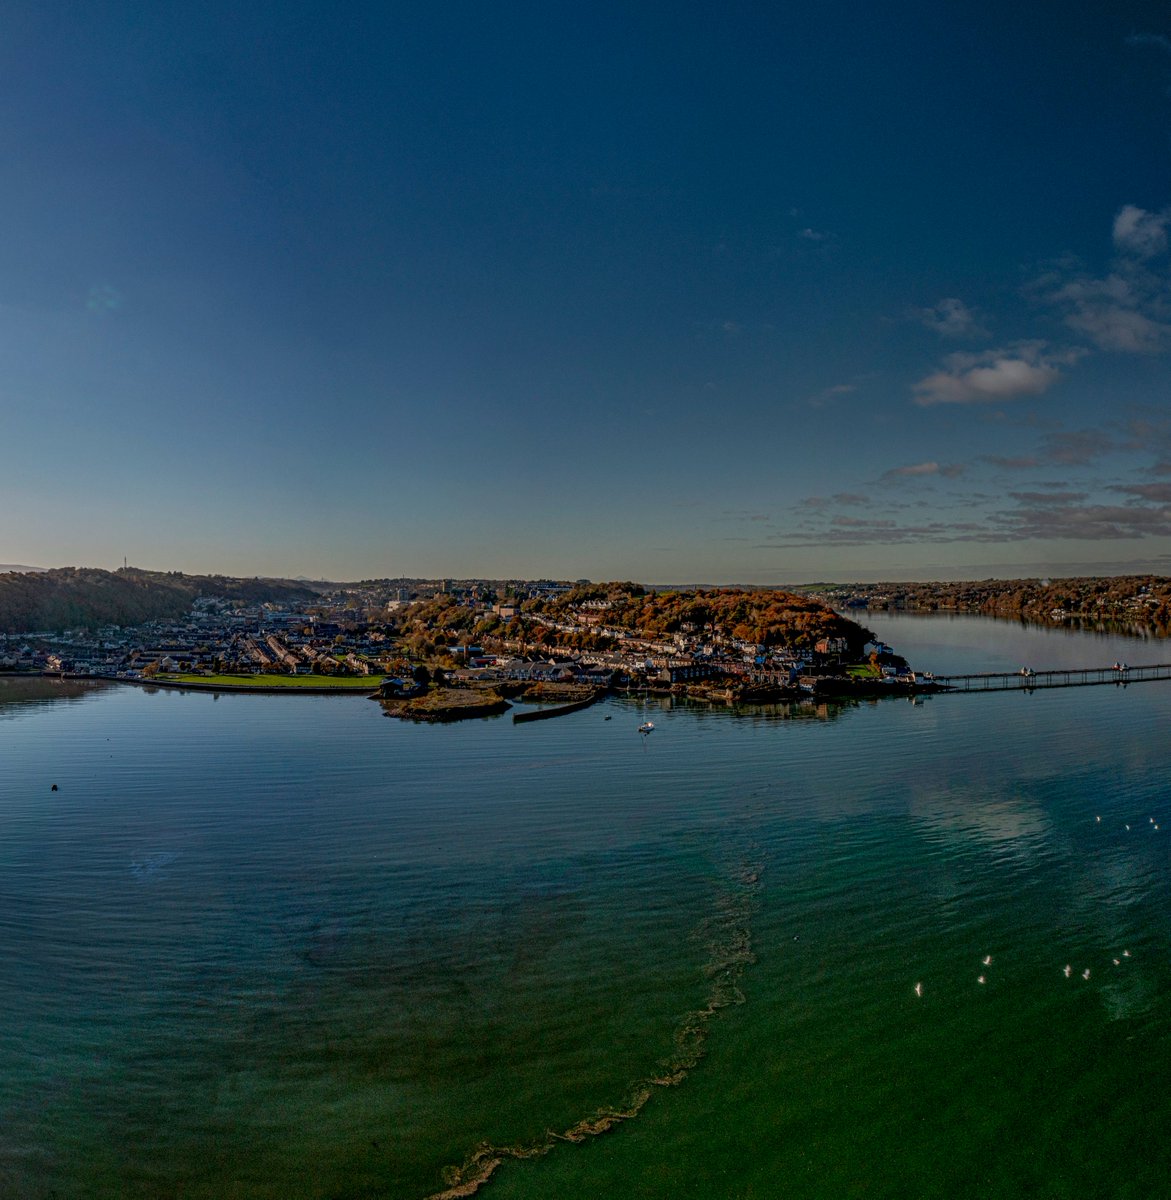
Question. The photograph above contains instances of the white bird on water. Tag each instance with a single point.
(1067, 970)
(1118, 962)
(981, 979)
(1086, 973)
(1126, 954)
(987, 960)
(918, 989)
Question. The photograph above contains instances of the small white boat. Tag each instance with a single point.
(646, 727)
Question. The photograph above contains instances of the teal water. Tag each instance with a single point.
(285, 947)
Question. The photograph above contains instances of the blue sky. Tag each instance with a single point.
(748, 292)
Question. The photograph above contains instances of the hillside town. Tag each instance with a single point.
(393, 633)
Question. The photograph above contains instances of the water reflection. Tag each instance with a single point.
(1003, 820)
(959, 643)
(21, 692)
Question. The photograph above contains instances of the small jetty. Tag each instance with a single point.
(1027, 680)
(560, 710)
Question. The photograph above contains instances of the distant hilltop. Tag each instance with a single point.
(17, 567)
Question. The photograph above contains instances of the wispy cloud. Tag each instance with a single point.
(952, 318)
(920, 469)
(1076, 448)
(1022, 369)
(1086, 522)
(1045, 516)
(742, 514)
(1160, 492)
(1048, 497)
(844, 499)
(1157, 40)
(1020, 462)
(1139, 232)
(830, 394)
(1120, 312)
(1128, 309)
(842, 522)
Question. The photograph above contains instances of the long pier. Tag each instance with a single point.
(1026, 680)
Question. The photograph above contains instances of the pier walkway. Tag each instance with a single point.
(1026, 680)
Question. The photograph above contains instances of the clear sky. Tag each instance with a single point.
(676, 292)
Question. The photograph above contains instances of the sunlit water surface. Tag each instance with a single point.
(282, 946)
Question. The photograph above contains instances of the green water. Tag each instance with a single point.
(284, 947)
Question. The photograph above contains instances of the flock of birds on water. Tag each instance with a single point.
(1068, 969)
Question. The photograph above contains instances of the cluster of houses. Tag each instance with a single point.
(654, 663)
(216, 637)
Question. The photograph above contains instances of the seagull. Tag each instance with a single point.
(1126, 954)
(1067, 970)
(981, 979)
(918, 989)
(1128, 829)
(987, 960)
(1097, 818)
(1086, 973)
(1118, 962)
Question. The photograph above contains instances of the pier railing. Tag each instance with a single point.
(1026, 680)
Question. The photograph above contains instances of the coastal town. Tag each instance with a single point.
(408, 638)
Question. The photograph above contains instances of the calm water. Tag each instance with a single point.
(285, 947)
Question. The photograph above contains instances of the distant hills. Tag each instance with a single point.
(86, 597)
(17, 567)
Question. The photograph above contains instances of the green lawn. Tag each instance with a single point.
(368, 683)
(863, 671)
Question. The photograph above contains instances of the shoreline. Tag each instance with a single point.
(257, 689)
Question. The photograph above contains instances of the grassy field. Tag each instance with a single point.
(366, 683)
(864, 671)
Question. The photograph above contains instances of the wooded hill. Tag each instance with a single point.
(87, 598)
(765, 617)
(1128, 601)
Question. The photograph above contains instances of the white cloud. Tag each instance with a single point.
(1139, 232)
(951, 317)
(1024, 369)
(1127, 310)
